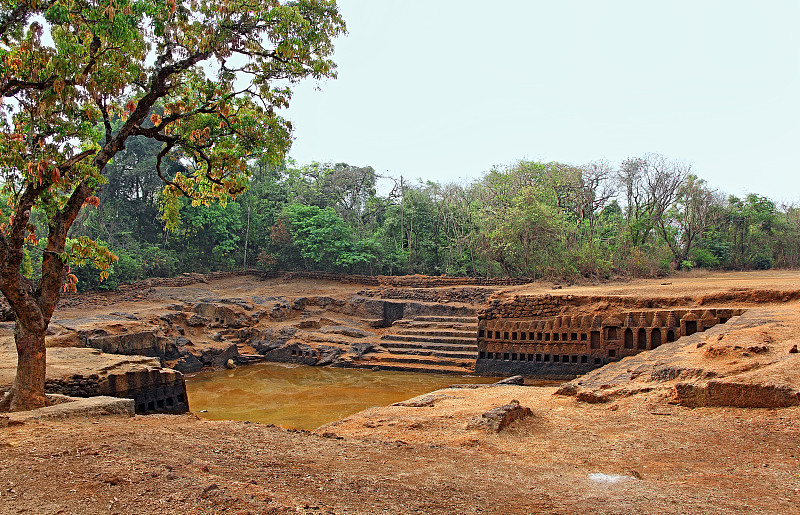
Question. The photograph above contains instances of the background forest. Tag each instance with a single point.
(645, 217)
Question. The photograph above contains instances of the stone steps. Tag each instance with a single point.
(429, 339)
(419, 360)
(460, 320)
(456, 326)
(451, 333)
(463, 354)
(429, 346)
(419, 368)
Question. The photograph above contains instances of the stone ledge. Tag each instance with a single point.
(72, 407)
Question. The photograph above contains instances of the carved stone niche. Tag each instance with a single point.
(612, 329)
(690, 324)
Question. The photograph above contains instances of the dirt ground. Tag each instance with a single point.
(635, 454)
(639, 455)
(695, 283)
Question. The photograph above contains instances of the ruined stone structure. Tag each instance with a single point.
(527, 336)
(153, 389)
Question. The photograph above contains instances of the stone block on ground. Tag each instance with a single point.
(76, 407)
(513, 380)
(497, 419)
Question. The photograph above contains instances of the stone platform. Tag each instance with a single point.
(82, 372)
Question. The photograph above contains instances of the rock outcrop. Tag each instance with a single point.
(745, 363)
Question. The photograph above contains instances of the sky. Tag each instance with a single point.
(443, 90)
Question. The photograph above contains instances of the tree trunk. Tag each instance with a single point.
(246, 238)
(27, 392)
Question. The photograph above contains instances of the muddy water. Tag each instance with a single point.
(303, 397)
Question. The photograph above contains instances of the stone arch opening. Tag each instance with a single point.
(655, 338)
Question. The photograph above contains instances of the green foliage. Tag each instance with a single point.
(704, 258)
(324, 240)
(543, 220)
(207, 237)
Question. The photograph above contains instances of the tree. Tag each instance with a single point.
(324, 239)
(651, 186)
(80, 78)
(683, 224)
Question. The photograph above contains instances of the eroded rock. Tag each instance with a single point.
(513, 380)
(187, 364)
(328, 354)
(735, 394)
(197, 321)
(345, 330)
(427, 400)
(497, 419)
(361, 348)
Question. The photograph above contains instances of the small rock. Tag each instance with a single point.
(125, 315)
(568, 389)
(196, 321)
(793, 350)
(230, 364)
(209, 490)
(361, 348)
(514, 380)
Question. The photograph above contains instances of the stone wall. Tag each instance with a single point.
(153, 389)
(527, 338)
(438, 295)
(523, 306)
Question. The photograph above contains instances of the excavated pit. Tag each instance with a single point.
(415, 324)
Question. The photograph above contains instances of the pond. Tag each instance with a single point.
(305, 397)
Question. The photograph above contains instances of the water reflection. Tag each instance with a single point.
(303, 397)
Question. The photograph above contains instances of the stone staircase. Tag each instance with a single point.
(432, 344)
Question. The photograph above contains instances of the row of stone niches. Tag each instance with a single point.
(161, 402)
(538, 357)
(589, 341)
(638, 327)
(566, 346)
(644, 339)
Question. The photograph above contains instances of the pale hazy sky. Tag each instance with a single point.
(445, 89)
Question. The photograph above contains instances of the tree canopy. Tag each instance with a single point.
(81, 78)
